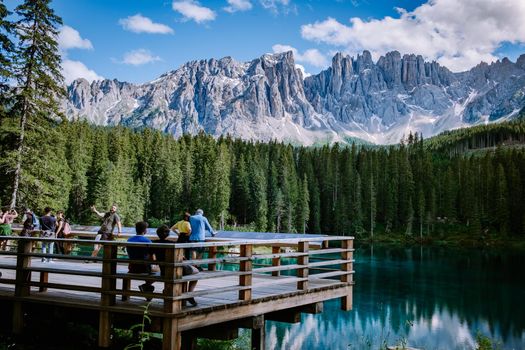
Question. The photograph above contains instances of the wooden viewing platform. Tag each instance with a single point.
(291, 277)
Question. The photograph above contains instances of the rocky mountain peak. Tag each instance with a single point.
(268, 98)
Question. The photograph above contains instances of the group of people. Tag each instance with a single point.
(52, 226)
(192, 228)
(49, 224)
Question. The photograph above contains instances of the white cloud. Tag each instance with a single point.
(141, 24)
(192, 10)
(69, 38)
(139, 57)
(301, 68)
(75, 69)
(310, 56)
(458, 34)
(238, 5)
(277, 6)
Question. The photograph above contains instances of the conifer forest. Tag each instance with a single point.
(346, 190)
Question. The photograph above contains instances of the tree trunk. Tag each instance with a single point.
(20, 149)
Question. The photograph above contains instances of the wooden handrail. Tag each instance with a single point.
(301, 261)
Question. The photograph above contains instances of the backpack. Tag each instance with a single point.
(35, 221)
(66, 230)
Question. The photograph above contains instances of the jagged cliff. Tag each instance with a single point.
(268, 98)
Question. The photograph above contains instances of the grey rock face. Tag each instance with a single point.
(268, 98)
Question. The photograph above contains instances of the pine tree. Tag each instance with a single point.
(258, 197)
(279, 209)
(241, 190)
(221, 185)
(7, 49)
(421, 211)
(357, 210)
(303, 208)
(501, 199)
(79, 152)
(37, 73)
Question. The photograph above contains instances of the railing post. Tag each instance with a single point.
(212, 254)
(276, 261)
(109, 284)
(246, 266)
(171, 339)
(346, 301)
(303, 272)
(22, 288)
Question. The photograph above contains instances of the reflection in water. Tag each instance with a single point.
(430, 298)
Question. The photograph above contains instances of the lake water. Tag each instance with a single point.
(427, 297)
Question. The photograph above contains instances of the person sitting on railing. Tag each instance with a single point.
(48, 225)
(142, 254)
(163, 233)
(183, 230)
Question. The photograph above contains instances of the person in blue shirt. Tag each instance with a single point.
(199, 226)
(140, 253)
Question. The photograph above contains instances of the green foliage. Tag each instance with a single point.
(33, 61)
(140, 328)
(268, 187)
(485, 343)
(7, 49)
(459, 141)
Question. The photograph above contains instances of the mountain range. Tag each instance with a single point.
(270, 98)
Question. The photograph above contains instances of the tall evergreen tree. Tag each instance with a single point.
(303, 205)
(7, 49)
(501, 198)
(37, 73)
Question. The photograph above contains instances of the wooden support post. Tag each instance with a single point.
(287, 316)
(250, 322)
(314, 309)
(212, 255)
(44, 278)
(258, 335)
(246, 266)
(171, 336)
(22, 288)
(188, 341)
(109, 284)
(303, 272)
(276, 261)
(346, 301)
(126, 286)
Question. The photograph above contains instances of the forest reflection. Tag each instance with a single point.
(428, 297)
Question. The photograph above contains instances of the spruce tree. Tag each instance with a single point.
(37, 72)
(303, 208)
(501, 199)
(7, 49)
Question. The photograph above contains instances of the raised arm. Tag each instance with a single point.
(99, 214)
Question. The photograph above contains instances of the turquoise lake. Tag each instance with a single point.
(425, 297)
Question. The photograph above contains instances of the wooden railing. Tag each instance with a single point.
(240, 261)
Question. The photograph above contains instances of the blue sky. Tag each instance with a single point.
(138, 40)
